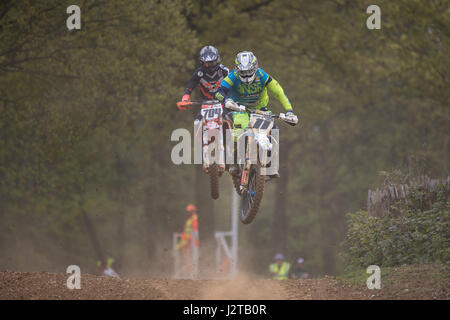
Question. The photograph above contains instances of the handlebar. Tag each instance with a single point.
(282, 116)
(186, 105)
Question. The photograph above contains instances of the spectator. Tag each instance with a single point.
(298, 271)
(280, 268)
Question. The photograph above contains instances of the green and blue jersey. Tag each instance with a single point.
(253, 94)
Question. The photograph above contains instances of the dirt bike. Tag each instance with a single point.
(211, 132)
(249, 184)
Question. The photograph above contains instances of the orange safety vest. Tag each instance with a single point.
(191, 225)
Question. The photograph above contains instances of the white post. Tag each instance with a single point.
(218, 253)
(234, 231)
(176, 256)
(195, 254)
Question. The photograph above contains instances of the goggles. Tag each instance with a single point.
(211, 64)
(246, 73)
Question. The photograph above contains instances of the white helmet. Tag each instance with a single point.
(246, 66)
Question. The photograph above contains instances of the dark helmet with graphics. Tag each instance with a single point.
(209, 58)
(246, 66)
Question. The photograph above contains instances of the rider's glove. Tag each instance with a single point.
(230, 104)
(184, 103)
(290, 114)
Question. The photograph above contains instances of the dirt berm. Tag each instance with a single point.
(420, 282)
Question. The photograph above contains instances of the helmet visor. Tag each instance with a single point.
(211, 64)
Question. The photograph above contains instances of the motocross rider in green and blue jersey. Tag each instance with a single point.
(247, 85)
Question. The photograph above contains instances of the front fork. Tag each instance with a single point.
(246, 171)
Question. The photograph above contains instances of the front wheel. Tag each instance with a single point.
(214, 179)
(251, 199)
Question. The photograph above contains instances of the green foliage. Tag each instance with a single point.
(84, 113)
(418, 234)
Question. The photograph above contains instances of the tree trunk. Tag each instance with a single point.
(92, 235)
(279, 222)
(120, 240)
(326, 208)
(122, 198)
(149, 213)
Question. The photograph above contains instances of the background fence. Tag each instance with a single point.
(380, 200)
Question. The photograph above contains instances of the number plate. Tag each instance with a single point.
(211, 112)
(260, 122)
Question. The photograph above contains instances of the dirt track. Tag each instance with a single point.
(17, 285)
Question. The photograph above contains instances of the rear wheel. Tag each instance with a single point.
(251, 199)
(214, 179)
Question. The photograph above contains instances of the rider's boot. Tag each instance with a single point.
(198, 119)
(274, 176)
(234, 170)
